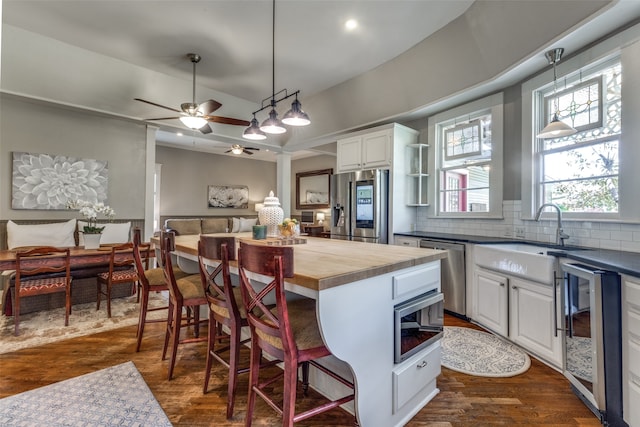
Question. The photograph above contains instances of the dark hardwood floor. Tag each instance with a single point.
(541, 396)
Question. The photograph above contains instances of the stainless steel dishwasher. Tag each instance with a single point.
(453, 276)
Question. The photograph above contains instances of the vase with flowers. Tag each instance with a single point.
(90, 210)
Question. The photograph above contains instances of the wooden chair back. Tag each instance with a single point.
(120, 258)
(222, 301)
(141, 255)
(271, 329)
(42, 260)
(167, 267)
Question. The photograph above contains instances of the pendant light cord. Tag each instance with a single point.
(273, 53)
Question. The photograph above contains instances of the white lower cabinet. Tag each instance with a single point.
(520, 310)
(412, 242)
(415, 374)
(491, 297)
(631, 350)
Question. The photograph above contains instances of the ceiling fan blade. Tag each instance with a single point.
(228, 151)
(164, 118)
(206, 129)
(227, 120)
(247, 152)
(251, 148)
(208, 107)
(157, 105)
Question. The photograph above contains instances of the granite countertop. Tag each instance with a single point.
(612, 260)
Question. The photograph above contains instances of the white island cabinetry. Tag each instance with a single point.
(631, 349)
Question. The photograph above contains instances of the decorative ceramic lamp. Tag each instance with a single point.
(271, 215)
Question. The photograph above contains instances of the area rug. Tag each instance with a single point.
(579, 357)
(482, 354)
(115, 396)
(45, 327)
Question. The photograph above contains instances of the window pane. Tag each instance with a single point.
(584, 162)
(465, 190)
(596, 195)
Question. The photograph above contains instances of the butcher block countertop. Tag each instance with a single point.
(324, 263)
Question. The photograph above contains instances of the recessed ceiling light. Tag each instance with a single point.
(179, 133)
(351, 24)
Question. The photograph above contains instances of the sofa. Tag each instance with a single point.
(209, 225)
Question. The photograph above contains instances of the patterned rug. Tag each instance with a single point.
(482, 354)
(579, 357)
(115, 396)
(45, 327)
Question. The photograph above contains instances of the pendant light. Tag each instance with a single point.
(556, 128)
(272, 124)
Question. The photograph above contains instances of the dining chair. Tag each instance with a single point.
(121, 270)
(188, 293)
(225, 310)
(289, 333)
(41, 270)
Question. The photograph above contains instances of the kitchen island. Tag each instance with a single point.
(356, 287)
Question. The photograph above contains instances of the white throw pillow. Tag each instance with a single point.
(59, 234)
(114, 232)
(236, 225)
(247, 224)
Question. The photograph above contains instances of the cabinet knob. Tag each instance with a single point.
(422, 365)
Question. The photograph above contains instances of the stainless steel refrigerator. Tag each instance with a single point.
(360, 205)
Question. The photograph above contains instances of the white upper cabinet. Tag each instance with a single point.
(367, 151)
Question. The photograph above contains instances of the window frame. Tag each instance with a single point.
(623, 49)
(494, 106)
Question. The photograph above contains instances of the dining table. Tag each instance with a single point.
(84, 263)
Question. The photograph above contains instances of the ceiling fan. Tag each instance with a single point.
(197, 116)
(239, 149)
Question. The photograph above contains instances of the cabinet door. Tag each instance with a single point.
(631, 349)
(349, 154)
(491, 301)
(531, 325)
(376, 150)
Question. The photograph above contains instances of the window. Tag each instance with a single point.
(593, 174)
(579, 172)
(468, 142)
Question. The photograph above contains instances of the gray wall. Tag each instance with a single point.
(186, 175)
(44, 128)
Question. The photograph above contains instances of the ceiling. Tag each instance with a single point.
(143, 47)
(313, 49)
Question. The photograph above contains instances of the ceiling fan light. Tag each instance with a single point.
(272, 124)
(295, 116)
(193, 122)
(556, 129)
(253, 132)
(236, 149)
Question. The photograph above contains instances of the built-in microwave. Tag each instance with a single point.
(418, 323)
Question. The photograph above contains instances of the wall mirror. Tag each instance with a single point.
(313, 189)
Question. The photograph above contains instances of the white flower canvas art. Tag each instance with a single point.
(48, 182)
(228, 196)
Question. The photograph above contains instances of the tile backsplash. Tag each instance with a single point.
(603, 235)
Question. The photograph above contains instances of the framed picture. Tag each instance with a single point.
(228, 196)
(49, 181)
(313, 189)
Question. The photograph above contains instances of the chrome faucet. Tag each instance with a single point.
(561, 236)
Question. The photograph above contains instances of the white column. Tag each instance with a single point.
(150, 170)
(283, 182)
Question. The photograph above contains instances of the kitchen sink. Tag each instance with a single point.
(532, 262)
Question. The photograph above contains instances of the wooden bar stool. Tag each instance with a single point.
(188, 293)
(225, 309)
(289, 333)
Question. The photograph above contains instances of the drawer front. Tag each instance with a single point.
(407, 241)
(633, 344)
(417, 282)
(632, 409)
(632, 290)
(415, 374)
